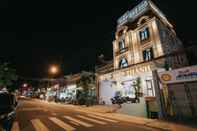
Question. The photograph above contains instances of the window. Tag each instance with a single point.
(179, 59)
(122, 45)
(144, 34)
(150, 90)
(123, 63)
(148, 54)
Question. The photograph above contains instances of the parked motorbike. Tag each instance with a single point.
(117, 100)
(120, 100)
(132, 100)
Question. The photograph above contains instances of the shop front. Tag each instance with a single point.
(180, 92)
(135, 84)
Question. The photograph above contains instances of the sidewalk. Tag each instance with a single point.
(110, 112)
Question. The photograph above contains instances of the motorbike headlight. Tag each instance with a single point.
(11, 113)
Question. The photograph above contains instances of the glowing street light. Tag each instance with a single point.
(53, 69)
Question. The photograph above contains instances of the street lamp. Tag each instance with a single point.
(53, 69)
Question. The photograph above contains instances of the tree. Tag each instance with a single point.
(7, 76)
(87, 83)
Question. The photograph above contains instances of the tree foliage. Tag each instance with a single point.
(7, 75)
(87, 83)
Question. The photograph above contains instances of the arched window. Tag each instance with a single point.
(123, 63)
(142, 20)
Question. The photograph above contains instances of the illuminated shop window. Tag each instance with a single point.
(144, 34)
(148, 54)
(123, 63)
(122, 45)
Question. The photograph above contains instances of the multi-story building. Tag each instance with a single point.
(144, 41)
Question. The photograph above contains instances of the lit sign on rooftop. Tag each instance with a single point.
(135, 12)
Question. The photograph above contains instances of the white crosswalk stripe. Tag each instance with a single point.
(78, 121)
(38, 125)
(15, 126)
(54, 114)
(74, 123)
(62, 124)
(92, 120)
(102, 118)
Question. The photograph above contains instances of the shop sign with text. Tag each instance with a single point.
(179, 75)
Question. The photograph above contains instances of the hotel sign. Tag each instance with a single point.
(179, 75)
(134, 13)
(132, 71)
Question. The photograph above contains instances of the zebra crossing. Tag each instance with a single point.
(78, 121)
(38, 125)
(71, 124)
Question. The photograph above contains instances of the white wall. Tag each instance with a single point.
(107, 91)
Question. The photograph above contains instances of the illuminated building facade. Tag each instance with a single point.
(144, 41)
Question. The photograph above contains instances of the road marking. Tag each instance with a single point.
(15, 126)
(74, 123)
(106, 119)
(54, 114)
(92, 120)
(38, 125)
(62, 124)
(78, 121)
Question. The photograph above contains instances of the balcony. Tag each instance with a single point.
(122, 51)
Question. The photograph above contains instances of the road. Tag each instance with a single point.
(36, 115)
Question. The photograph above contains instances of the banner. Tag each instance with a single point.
(179, 75)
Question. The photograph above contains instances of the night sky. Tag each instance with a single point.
(35, 34)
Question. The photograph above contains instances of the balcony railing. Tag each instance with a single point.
(122, 51)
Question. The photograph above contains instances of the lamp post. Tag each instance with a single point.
(53, 70)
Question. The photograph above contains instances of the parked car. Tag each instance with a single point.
(29, 94)
(8, 104)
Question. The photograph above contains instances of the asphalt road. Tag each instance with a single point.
(34, 115)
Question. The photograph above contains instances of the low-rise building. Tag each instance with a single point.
(72, 87)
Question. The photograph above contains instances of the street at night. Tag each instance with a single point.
(98, 65)
(37, 115)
